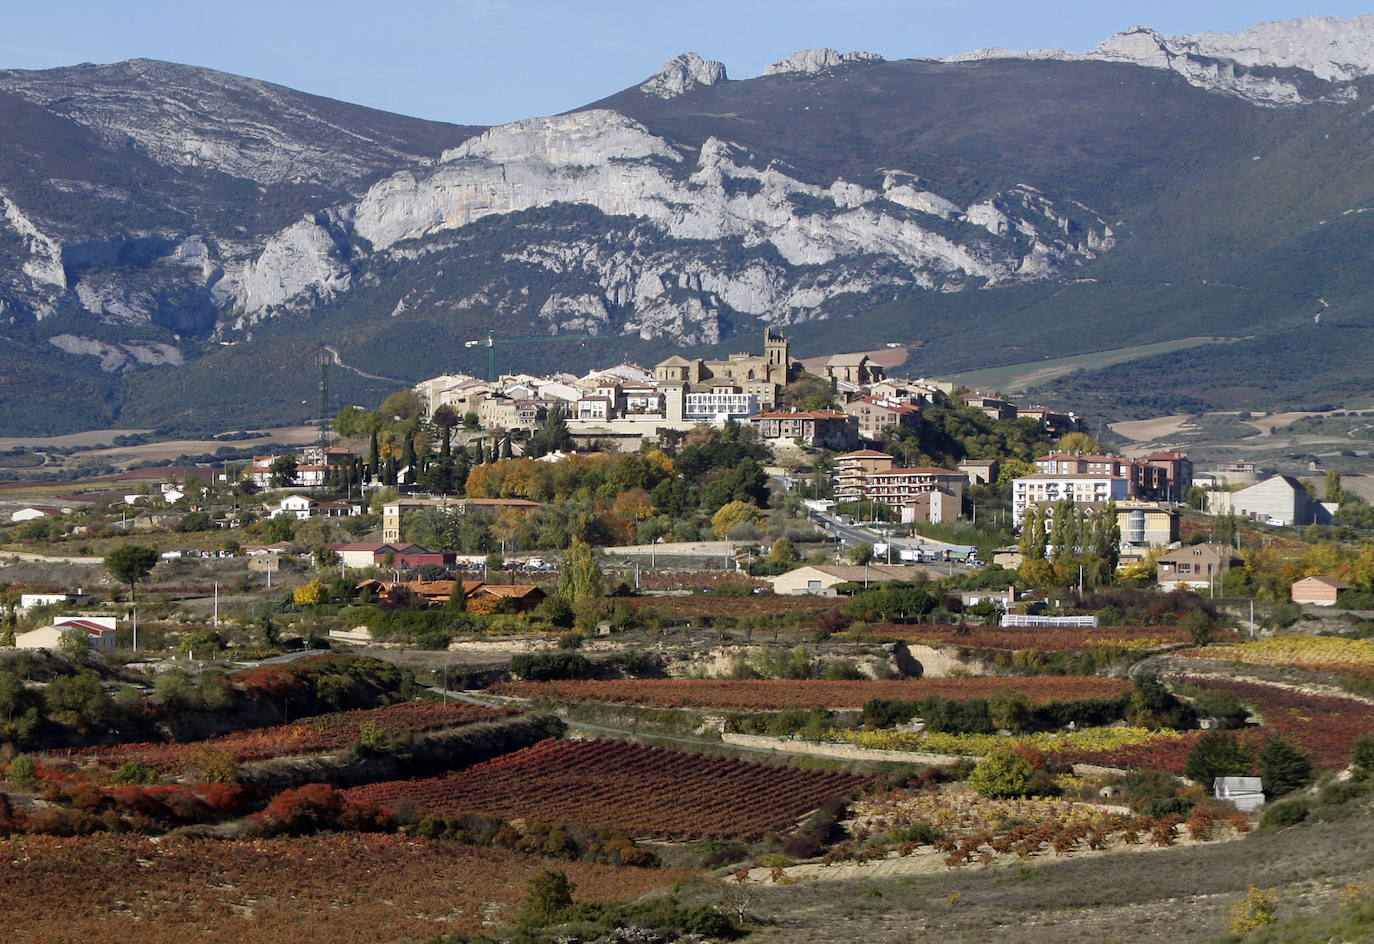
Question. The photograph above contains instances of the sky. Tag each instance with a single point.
(490, 61)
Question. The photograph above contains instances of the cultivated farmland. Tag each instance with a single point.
(766, 694)
(646, 791)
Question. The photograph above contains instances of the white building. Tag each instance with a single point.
(1052, 487)
(719, 405)
(32, 512)
(28, 601)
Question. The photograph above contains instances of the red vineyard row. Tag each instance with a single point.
(307, 736)
(646, 791)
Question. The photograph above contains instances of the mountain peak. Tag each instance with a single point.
(811, 61)
(683, 74)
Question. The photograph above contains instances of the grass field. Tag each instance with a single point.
(1014, 377)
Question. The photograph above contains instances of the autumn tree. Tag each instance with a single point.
(732, 515)
(309, 594)
(1080, 444)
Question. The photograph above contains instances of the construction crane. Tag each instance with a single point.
(491, 341)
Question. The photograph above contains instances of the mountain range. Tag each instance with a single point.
(176, 243)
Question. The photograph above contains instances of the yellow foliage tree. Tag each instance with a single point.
(309, 594)
(733, 514)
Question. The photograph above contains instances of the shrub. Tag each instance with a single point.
(1002, 773)
(1163, 807)
(134, 772)
(1285, 813)
(1254, 911)
(22, 771)
(921, 833)
(1362, 757)
(1339, 792)
(801, 847)
(550, 666)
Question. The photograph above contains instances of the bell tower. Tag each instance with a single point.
(777, 355)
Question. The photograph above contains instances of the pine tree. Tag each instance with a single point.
(1283, 767)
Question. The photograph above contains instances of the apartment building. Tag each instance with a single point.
(1082, 488)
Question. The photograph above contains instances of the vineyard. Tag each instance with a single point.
(308, 736)
(1324, 726)
(343, 888)
(1048, 743)
(1064, 639)
(645, 791)
(768, 694)
(1335, 654)
(968, 828)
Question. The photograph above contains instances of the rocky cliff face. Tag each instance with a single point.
(151, 212)
(798, 245)
(1246, 64)
(186, 117)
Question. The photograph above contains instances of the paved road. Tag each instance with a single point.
(854, 536)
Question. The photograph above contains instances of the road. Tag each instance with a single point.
(339, 362)
(47, 559)
(853, 536)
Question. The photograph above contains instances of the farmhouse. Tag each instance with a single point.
(1317, 590)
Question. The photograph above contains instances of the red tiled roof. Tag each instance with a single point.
(95, 629)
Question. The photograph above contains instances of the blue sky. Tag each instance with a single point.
(487, 61)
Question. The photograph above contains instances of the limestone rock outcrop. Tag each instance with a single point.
(683, 74)
(812, 61)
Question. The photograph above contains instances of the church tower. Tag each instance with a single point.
(776, 355)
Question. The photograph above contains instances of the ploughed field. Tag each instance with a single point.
(767, 694)
(345, 888)
(645, 791)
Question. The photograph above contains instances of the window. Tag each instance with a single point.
(813, 585)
